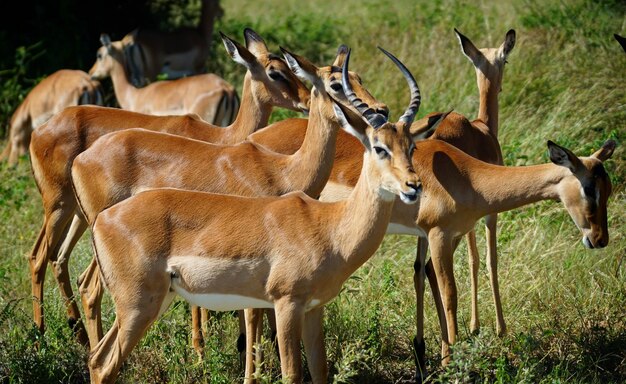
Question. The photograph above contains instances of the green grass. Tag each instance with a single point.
(565, 306)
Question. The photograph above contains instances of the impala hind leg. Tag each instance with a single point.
(474, 263)
(134, 315)
(313, 338)
(61, 273)
(491, 223)
(56, 227)
(91, 292)
(289, 320)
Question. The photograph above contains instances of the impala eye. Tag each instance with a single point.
(336, 87)
(382, 152)
(277, 76)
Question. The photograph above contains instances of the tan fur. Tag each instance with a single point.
(63, 88)
(304, 251)
(123, 163)
(179, 53)
(199, 94)
(56, 143)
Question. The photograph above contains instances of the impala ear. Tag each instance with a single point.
(342, 52)
(105, 40)
(255, 43)
(606, 151)
(564, 157)
(303, 68)
(354, 130)
(426, 126)
(621, 40)
(238, 52)
(468, 48)
(507, 46)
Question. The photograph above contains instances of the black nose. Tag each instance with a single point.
(417, 187)
(601, 243)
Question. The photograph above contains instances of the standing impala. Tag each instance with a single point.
(209, 96)
(290, 253)
(124, 163)
(63, 88)
(268, 82)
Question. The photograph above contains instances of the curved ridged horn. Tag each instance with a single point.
(374, 119)
(416, 97)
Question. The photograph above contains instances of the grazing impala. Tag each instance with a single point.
(290, 253)
(178, 53)
(268, 82)
(458, 190)
(209, 96)
(63, 88)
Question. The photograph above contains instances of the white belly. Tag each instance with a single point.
(399, 229)
(221, 302)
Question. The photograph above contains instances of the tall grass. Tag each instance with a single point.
(564, 305)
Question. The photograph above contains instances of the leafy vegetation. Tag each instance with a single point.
(564, 304)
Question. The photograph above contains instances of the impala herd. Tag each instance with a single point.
(188, 191)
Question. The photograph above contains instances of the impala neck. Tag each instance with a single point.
(502, 188)
(488, 91)
(253, 114)
(365, 214)
(314, 160)
(124, 90)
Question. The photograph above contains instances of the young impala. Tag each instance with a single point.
(268, 82)
(207, 95)
(290, 253)
(61, 89)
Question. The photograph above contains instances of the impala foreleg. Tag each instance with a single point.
(289, 321)
(314, 346)
(474, 264)
(196, 330)
(418, 283)
(442, 249)
(253, 353)
(491, 223)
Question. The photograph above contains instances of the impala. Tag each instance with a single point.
(268, 82)
(178, 53)
(209, 96)
(63, 88)
(123, 163)
(290, 253)
(451, 187)
(621, 40)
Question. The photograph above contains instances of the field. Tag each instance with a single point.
(565, 305)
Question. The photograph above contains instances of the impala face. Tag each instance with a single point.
(585, 193)
(273, 81)
(109, 51)
(488, 62)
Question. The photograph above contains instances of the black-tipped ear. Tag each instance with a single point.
(564, 157)
(238, 52)
(509, 43)
(606, 151)
(105, 40)
(421, 129)
(340, 58)
(255, 43)
(349, 128)
(303, 68)
(468, 48)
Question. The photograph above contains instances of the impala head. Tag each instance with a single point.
(107, 54)
(328, 79)
(388, 146)
(489, 62)
(586, 191)
(272, 80)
